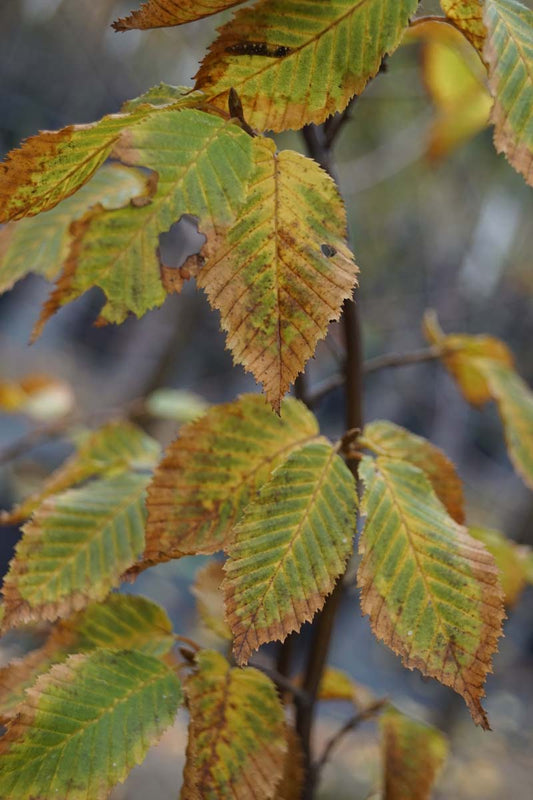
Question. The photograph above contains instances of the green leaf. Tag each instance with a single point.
(413, 756)
(122, 621)
(237, 741)
(75, 548)
(511, 560)
(509, 54)
(165, 13)
(179, 405)
(213, 470)
(467, 16)
(116, 447)
(200, 165)
(430, 589)
(85, 724)
(281, 274)
(386, 438)
(298, 61)
(290, 547)
(41, 244)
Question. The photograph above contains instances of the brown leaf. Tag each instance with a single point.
(166, 13)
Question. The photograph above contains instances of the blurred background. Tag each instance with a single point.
(437, 220)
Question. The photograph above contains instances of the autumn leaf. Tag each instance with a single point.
(237, 740)
(509, 53)
(164, 13)
(467, 16)
(413, 756)
(510, 558)
(289, 548)
(386, 438)
(85, 724)
(298, 62)
(210, 600)
(74, 549)
(283, 270)
(213, 470)
(430, 589)
(122, 621)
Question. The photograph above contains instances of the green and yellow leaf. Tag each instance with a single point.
(290, 547)
(294, 62)
(85, 724)
(283, 271)
(387, 439)
(122, 621)
(413, 756)
(510, 558)
(116, 447)
(166, 13)
(509, 53)
(237, 736)
(430, 589)
(210, 600)
(467, 16)
(213, 470)
(75, 548)
(41, 244)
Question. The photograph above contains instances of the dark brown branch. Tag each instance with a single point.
(349, 726)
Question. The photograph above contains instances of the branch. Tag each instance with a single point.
(353, 723)
(283, 683)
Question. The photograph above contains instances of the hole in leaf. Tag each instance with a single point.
(181, 241)
(328, 250)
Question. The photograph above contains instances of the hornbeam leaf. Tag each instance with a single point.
(237, 740)
(290, 547)
(388, 439)
(200, 163)
(119, 622)
(338, 685)
(283, 271)
(430, 589)
(467, 16)
(298, 61)
(413, 756)
(74, 549)
(214, 468)
(509, 53)
(209, 598)
(85, 724)
(166, 13)
(510, 558)
(41, 244)
(116, 447)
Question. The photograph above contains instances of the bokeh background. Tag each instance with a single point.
(453, 234)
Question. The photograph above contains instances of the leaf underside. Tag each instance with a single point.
(431, 591)
(166, 13)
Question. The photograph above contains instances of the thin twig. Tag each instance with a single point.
(283, 683)
(351, 724)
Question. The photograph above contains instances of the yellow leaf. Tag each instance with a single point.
(467, 15)
(511, 560)
(165, 13)
(210, 600)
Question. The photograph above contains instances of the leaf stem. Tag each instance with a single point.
(350, 725)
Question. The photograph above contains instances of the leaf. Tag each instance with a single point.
(283, 271)
(413, 755)
(165, 13)
(461, 354)
(209, 599)
(121, 621)
(237, 740)
(116, 447)
(37, 395)
(292, 782)
(289, 548)
(430, 589)
(298, 62)
(75, 548)
(41, 244)
(213, 470)
(338, 685)
(467, 16)
(509, 54)
(510, 558)
(201, 164)
(179, 405)
(85, 724)
(388, 439)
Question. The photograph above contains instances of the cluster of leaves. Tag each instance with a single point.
(253, 478)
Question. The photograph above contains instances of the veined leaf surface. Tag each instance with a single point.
(430, 589)
(85, 724)
(213, 470)
(386, 438)
(467, 15)
(284, 270)
(200, 164)
(41, 244)
(122, 621)
(237, 741)
(165, 13)
(116, 447)
(413, 755)
(298, 61)
(75, 548)
(289, 548)
(509, 53)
